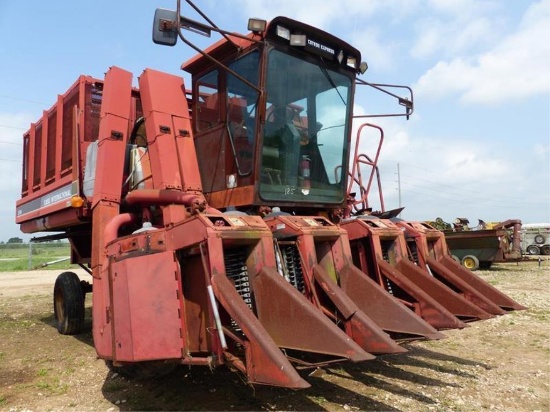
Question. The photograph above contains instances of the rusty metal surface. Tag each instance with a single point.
(265, 363)
(325, 252)
(379, 247)
(388, 313)
(431, 248)
(295, 323)
(424, 305)
(360, 326)
(449, 299)
(488, 290)
(465, 289)
(320, 245)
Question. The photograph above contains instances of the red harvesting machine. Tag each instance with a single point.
(218, 222)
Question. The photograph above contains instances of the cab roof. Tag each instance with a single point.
(224, 48)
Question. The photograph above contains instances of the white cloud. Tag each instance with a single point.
(452, 176)
(448, 38)
(324, 11)
(450, 27)
(462, 9)
(328, 13)
(542, 151)
(377, 51)
(518, 67)
(471, 164)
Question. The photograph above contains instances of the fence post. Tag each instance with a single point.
(30, 255)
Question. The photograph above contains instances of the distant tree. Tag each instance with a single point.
(15, 240)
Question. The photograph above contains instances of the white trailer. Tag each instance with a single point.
(535, 238)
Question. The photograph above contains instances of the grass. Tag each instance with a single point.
(20, 257)
(52, 387)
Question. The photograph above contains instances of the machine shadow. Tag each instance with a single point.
(85, 336)
(199, 388)
(391, 367)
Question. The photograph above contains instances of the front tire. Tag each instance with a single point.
(68, 304)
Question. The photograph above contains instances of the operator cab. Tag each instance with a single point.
(275, 128)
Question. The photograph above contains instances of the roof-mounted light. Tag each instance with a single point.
(363, 67)
(340, 56)
(283, 32)
(298, 40)
(352, 62)
(256, 25)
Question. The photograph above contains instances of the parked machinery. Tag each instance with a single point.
(215, 222)
(480, 246)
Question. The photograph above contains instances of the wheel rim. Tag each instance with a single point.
(59, 308)
(469, 263)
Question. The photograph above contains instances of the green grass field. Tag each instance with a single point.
(15, 257)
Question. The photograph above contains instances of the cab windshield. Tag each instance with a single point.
(304, 137)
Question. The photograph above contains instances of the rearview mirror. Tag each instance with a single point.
(165, 27)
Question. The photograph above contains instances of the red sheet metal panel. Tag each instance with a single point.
(169, 134)
(146, 305)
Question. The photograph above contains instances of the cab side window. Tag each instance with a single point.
(208, 104)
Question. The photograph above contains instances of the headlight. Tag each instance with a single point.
(298, 40)
(283, 32)
(352, 62)
(256, 25)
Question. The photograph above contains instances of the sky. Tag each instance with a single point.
(477, 145)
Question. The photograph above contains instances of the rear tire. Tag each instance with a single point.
(533, 250)
(470, 262)
(68, 304)
(455, 258)
(545, 250)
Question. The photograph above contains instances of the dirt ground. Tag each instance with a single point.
(501, 364)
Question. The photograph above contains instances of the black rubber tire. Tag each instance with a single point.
(485, 264)
(539, 239)
(143, 370)
(68, 304)
(533, 250)
(470, 262)
(545, 250)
